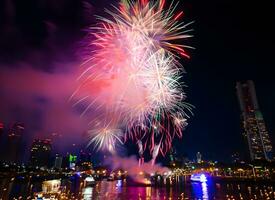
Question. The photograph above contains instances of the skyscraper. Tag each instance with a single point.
(255, 131)
(1, 129)
(2, 142)
(14, 149)
(198, 155)
(40, 153)
(84, 161)
(58, 161)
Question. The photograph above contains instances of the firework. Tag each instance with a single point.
(105, 136)
(133, 72)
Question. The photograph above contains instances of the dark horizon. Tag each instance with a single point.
(39, 55)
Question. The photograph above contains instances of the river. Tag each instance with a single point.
(119, 190)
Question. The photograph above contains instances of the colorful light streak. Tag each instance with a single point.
(134, 77)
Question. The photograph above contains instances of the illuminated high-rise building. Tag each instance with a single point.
(84, 161)
(40, 152)
(2, 142)
(58, 161)
(174, 159)
(84, 156)
(235, 157)
(255, 131)
(14, 149)
(1, 128)
(172, 156)
(198, 155)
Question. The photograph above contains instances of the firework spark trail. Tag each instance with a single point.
(105, 136)
(134, 76)
(155, 153)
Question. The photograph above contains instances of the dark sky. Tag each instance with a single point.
(234, 40)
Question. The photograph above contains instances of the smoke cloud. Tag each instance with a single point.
(132, 166)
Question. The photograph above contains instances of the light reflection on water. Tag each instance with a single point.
(117, 190)
(87, 193)
(194, 190)
(200, 190)
(204, 191)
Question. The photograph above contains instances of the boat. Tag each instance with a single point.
(89, 181)
(51, 189)
(199, 177)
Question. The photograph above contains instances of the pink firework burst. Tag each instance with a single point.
(133, 75)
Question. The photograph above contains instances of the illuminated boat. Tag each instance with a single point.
(199, 177)
(89, 181)
(51, 189)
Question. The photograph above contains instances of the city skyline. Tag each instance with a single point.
(224, 34)
(137, 99)
(252, 126)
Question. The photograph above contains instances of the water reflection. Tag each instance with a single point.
(204, 191)
(87, 193)
(111, 190)
(148, 192)
(201, 190)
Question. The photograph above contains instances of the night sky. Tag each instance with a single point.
(39, 48)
